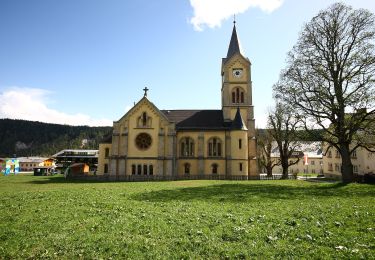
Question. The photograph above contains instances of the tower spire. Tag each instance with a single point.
(234, 45)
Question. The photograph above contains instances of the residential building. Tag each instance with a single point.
(310, 150)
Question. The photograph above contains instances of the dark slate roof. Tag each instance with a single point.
(107, 139)
(234, 45)
(197, 119)
(238, 123)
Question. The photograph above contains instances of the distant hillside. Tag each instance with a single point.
(27, 138)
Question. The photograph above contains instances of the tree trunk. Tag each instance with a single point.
(285, 167)
(269, 171)
(346, 165)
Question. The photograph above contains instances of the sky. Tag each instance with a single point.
(85, 62)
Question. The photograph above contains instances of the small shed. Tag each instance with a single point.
(78, 169)
(43, 170)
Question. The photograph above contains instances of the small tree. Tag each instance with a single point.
(330, 79)
(283, 129)
(264, 139)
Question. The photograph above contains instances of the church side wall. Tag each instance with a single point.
(103, 160)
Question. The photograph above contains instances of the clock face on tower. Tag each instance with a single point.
(237, 73)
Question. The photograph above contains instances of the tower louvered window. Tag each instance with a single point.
(238, 96)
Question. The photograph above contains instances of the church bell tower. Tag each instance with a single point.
(236, 93)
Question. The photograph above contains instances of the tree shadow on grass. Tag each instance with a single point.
(62, 179)
(249, 192)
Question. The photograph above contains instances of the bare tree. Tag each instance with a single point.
(330, 79)
(264, 139)
(283, 129)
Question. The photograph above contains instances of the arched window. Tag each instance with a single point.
(133, 169)
(139, 169)
(151, 169)
(187, 168)
(144, 120)
(214, 168)
(106, 152)
(214, 147)
(145, 169)
(238, 96)
(187, 147)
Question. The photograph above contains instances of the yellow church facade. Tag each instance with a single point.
(148, 143)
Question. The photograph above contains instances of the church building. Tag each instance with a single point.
(148, 143)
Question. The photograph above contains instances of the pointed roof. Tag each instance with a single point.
(234, 45)
(237, 123)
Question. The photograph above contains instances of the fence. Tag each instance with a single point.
(131, 178)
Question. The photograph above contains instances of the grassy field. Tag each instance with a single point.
(48, 217)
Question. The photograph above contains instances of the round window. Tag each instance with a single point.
(143, 141)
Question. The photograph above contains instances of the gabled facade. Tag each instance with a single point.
(199, 144)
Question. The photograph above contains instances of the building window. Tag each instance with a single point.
(214, 147)
(338, 154)
(330, 167)
(312, 162)
(143, 141)
(355, 168)
(329, 154)
(106, 168)
(151, 169)
(139, 168)
(238, 95)
(240, 167)
(240, 143)
(106, 154)
(187, 168)
(187, 147)
(214, 168)
(313, 170)
(354, 154)
(145, 169)
(133, 169)
(144, 120)
(337, 167)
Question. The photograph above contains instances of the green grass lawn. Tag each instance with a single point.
(49, 217)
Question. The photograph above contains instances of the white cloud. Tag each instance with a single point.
(212, 12)
(31, 104)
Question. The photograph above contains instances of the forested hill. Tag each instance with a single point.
(27, 138)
